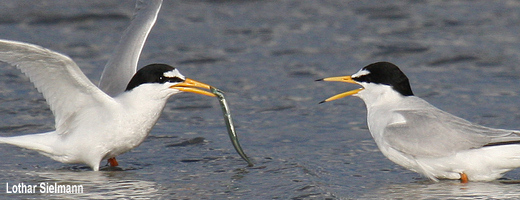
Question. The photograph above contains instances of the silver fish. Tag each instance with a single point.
(229, 124)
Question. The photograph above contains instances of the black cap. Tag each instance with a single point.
(153, 73)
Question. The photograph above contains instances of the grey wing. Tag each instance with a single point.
(434, 132)
(56, 76)
(123, 64)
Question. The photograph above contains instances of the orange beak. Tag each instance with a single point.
(190, 85)
(347, 79)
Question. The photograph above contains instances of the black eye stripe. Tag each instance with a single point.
(173, 79)
(363, 78)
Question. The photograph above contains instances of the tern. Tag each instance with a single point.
(90, 124)
(95, 123)
(422, 138)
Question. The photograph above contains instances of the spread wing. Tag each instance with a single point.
(123, 64)
(64, 86)
(433, 132)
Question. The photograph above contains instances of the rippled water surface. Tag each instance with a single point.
(461, 56)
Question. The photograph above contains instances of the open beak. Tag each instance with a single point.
(347, 79)
(190, 85)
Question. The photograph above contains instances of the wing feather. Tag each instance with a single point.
(433, 132)
(123, 64)
(64, 86)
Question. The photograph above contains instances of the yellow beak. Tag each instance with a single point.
(190, 85)
(347, 79)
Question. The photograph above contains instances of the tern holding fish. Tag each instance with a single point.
(422, 138)
(96, 123)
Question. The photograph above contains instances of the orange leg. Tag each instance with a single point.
(113, 162)
(463, 178)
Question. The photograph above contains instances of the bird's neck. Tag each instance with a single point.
(144, 109)
(381, 96)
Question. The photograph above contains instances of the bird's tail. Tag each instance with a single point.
(41, 142)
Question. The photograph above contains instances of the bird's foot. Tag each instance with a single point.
(113, 162)
(463, 178)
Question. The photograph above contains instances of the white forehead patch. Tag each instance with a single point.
(174, 73)
(360, 73)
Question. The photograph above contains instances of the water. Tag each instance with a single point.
(460, 55)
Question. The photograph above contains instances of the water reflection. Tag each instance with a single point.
(448, 189)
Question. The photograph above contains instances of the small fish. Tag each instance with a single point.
(229, 124)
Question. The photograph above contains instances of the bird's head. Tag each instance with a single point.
(375, 79)
(167, 79)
